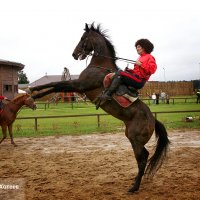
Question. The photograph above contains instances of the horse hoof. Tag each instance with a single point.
(15, 145)
(133, 190)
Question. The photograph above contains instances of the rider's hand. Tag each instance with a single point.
(138, 63)
(127, 69)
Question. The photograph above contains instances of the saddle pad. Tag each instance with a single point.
(125, 100)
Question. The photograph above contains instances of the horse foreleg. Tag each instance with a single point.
(41, 87)
(39, 95)
(4, 129)
(141, 155)
(11, 134)
(62, 86)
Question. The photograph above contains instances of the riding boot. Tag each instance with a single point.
(113, 87)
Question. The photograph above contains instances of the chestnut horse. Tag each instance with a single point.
(9, 113)
(138, 119)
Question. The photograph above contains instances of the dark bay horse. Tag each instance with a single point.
(9, 113)
(138, 119)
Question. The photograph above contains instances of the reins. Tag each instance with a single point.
(104, 68)
(114, 58)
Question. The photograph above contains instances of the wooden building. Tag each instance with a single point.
(9, 78)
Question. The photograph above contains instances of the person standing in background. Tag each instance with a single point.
(153, 97)
(162, 95)
(157, 97)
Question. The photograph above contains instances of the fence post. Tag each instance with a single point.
(72, 104)
(36, 124)
(155, 115)
(98, 120)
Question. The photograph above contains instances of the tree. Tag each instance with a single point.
(22, 78)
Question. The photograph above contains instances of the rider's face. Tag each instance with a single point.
(139, 50)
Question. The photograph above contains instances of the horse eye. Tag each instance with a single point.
(84, 44)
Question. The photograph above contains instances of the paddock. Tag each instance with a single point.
(96, 167)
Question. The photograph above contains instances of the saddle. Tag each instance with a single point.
(124, 95)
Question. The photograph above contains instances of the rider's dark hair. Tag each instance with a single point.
(145, 44)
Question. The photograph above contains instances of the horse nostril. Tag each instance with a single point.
(74, 55)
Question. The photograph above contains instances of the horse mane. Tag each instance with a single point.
(103, 33)
(19, 96)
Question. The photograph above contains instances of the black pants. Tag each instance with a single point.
(132, 80)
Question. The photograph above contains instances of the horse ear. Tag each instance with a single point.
(86, 27)
(92, 28)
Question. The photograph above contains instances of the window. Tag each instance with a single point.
(7, 88)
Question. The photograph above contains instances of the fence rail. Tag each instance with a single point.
(96, 115)
(174, 100)
(147, 100)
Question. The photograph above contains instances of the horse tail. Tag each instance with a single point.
(159, 155)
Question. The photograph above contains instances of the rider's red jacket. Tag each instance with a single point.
(148, 66)
(2, 98)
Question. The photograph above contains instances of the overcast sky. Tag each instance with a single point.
(42, 34)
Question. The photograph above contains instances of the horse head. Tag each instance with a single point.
(92, 40)
(29, 102)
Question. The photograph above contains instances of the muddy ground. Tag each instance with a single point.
(96, 167)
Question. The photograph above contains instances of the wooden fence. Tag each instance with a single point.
(93, 115)
(174, 100)
(46, 105)
(172, 88)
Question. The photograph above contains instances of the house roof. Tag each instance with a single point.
(11, 63)
(48, 79)
(22, 86)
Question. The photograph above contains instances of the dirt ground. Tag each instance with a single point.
(96, 167)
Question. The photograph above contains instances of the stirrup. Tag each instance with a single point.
(105, 97)
(102, 100)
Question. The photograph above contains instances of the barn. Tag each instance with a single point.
(9, 78)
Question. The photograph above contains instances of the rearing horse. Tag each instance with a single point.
(138, 119)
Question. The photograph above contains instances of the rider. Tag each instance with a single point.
(1, 101)
(144, 67)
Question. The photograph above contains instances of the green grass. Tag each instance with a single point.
(177, 120)
(88, 125)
